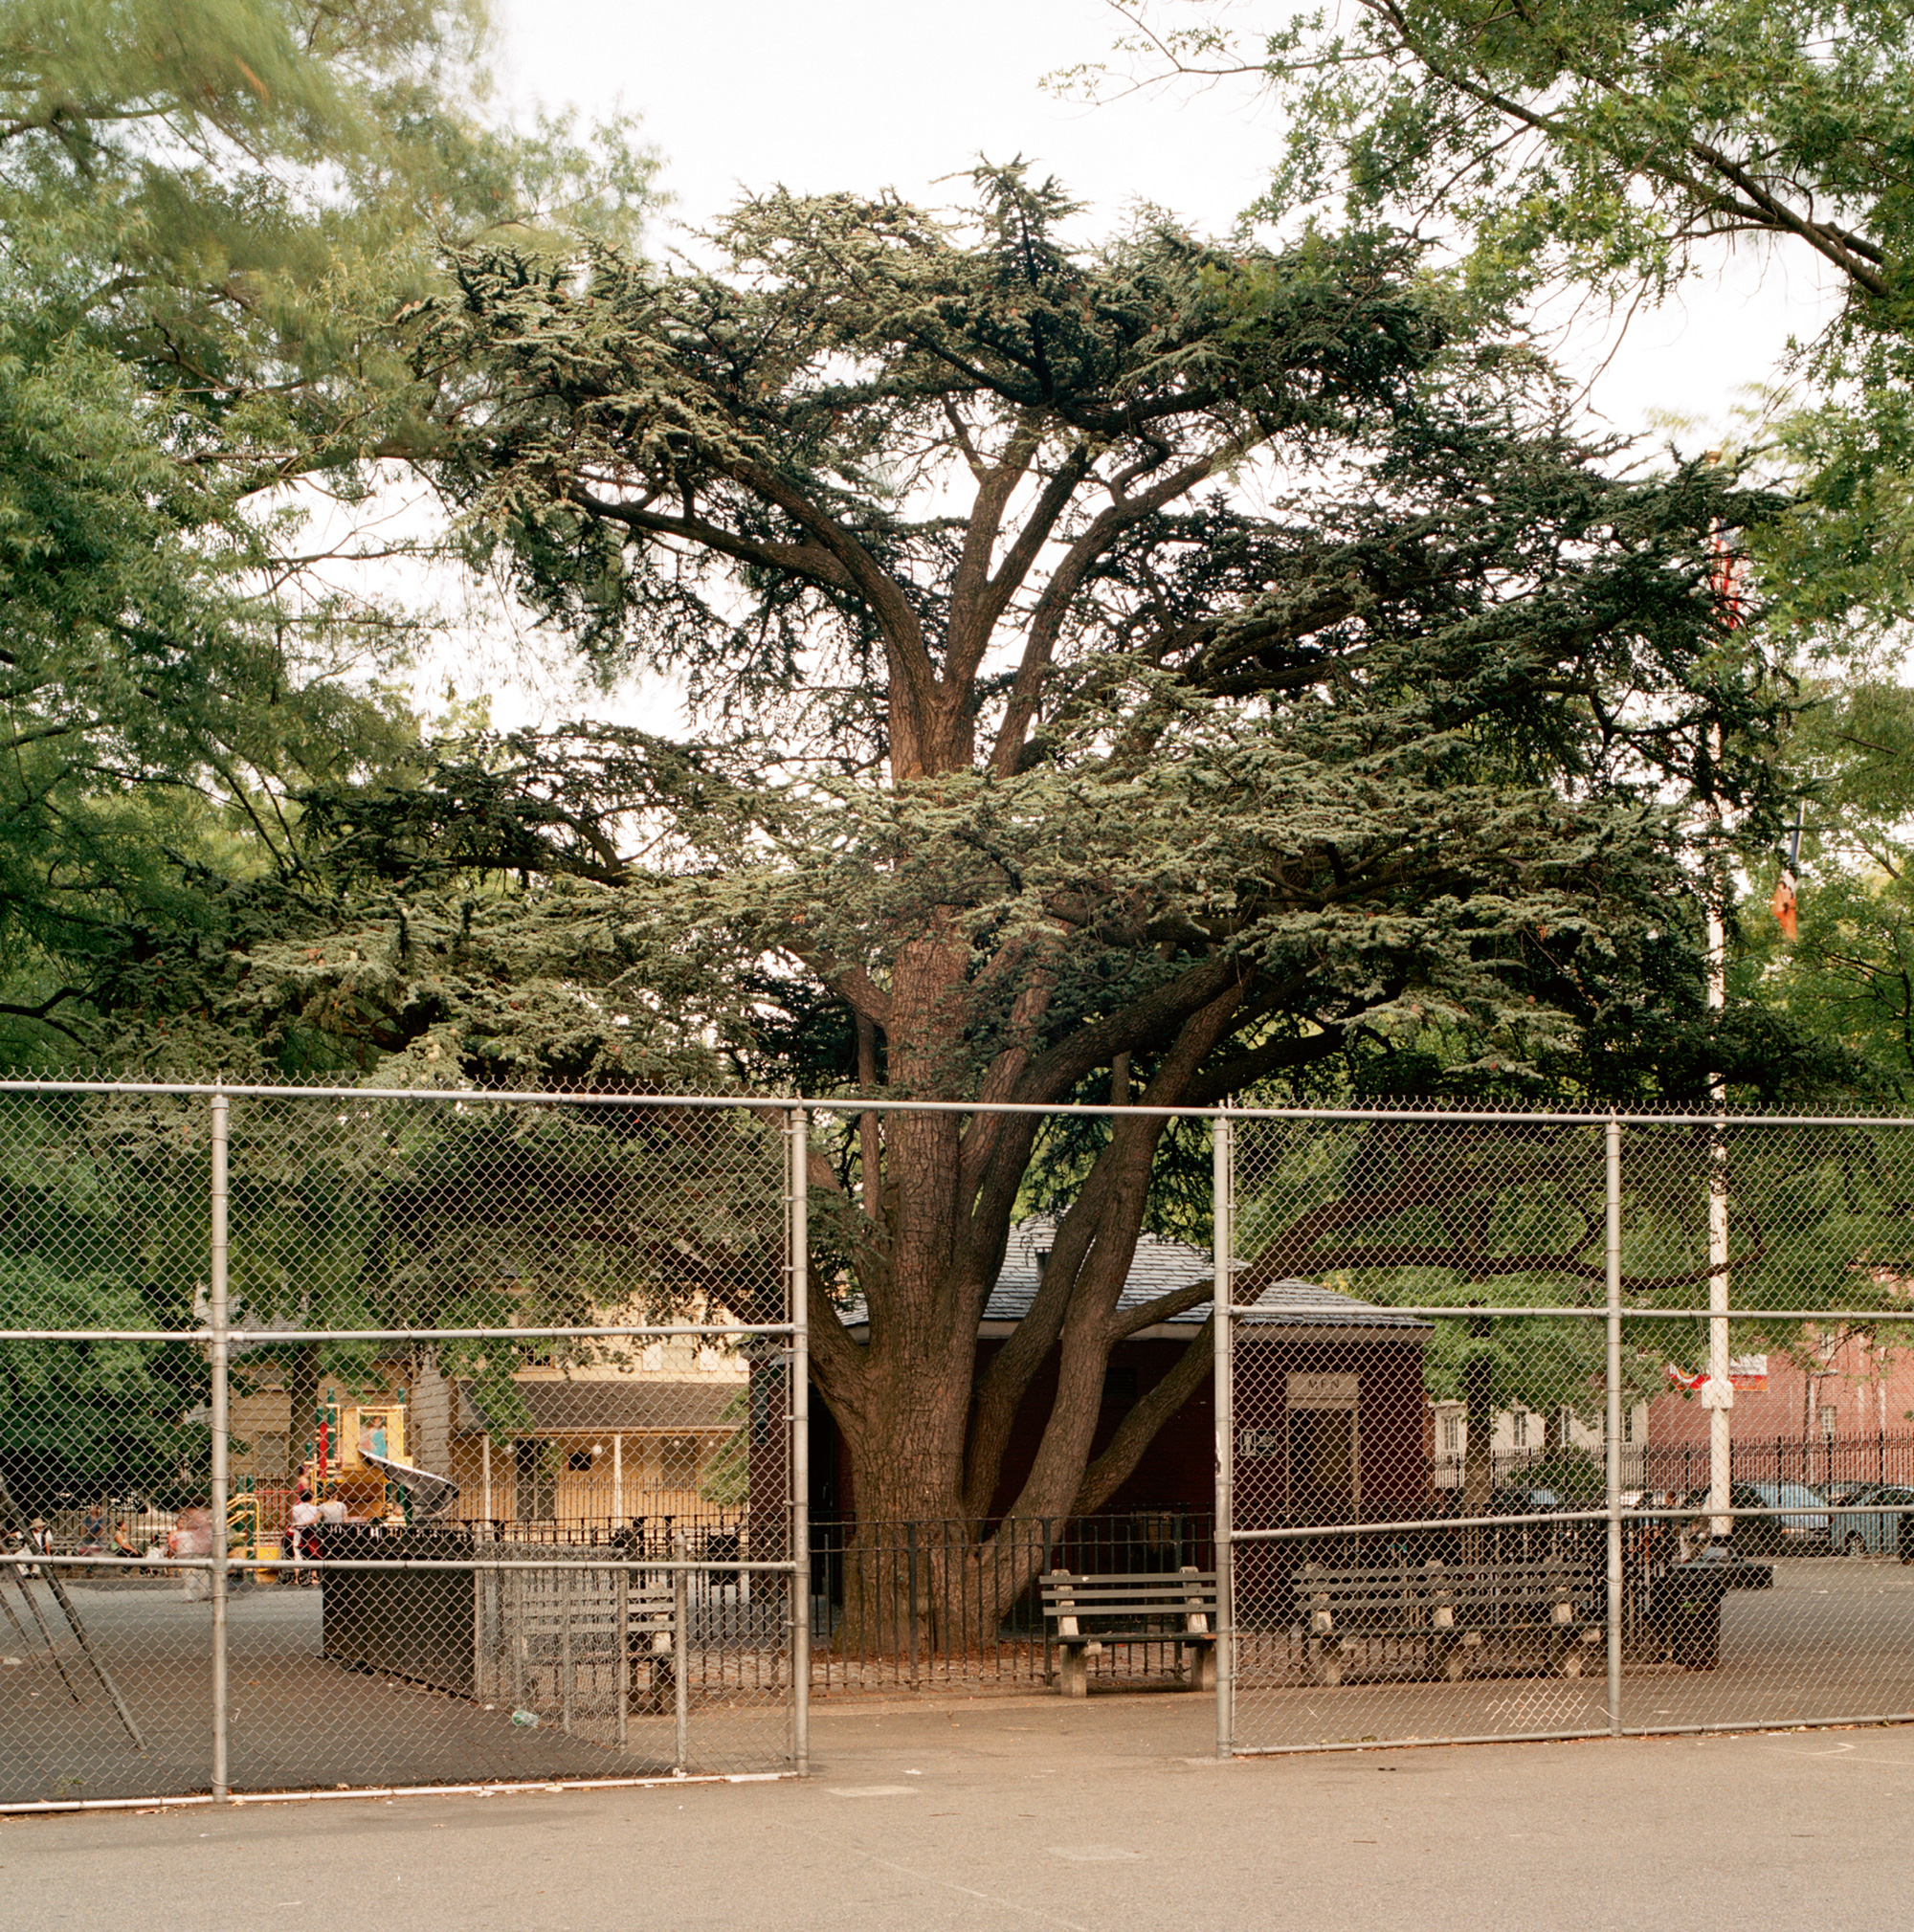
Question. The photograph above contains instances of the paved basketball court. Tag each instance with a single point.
(1030, 1813)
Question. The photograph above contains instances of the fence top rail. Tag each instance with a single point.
(262, 1337)
(1691, 1511)
(1246, 1311)
(1583, 1311)
(30, 1559)
(786, 1103)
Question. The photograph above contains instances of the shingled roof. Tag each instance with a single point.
(1160, 1267)
(557, 1406)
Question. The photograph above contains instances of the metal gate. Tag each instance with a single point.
(379, 1439)
(1440, 1515)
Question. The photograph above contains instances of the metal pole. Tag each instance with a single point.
(621, 1645)
(617, 1480)
(910, 1580)
(1718, 1392)
(485, 1476)
(567, 1665)
(1222, 1261)
(1614, 1425)
(24, 1586)
(798, 1143)
(216, 1321)
(680, 1618)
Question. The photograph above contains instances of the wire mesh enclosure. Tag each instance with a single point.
(1545, 1426)
(357, 1439)
(354, 1439)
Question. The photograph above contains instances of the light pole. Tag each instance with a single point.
(1718, 1392)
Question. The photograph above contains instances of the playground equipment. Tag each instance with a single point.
(256, 1526)
(354, 1446)
(352, 1442)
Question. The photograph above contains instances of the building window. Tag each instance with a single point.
(1519, 1424)
(1451, 1435)
(579, 1461)
(1830, 1415)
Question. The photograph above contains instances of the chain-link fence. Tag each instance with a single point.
(1558, 1427)
(359, 1439)
(352, 1439)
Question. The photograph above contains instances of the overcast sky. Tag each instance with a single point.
(871, 93)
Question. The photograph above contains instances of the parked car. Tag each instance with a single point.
(1510, 1501)
(1876, 1535)
(1841, 1492)
(1803, 1529)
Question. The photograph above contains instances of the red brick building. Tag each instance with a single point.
(1843, 1407)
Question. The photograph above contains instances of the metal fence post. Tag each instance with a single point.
(797, 1145)
(681, 1622)
(910, 1586)
(1222, 1258)
(216, 1321)
(1613, 1423)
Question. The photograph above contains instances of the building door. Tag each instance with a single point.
(1325, 1460)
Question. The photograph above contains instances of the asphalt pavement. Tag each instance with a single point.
(1029, 1812)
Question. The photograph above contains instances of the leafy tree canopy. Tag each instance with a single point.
(1135, 673)
(1618, 147)
(212, 216)
(1614, 142)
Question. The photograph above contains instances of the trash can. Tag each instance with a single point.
(1691, 1619)
(1689, 1615)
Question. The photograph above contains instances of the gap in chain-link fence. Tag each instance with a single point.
(1551, 1426)
(359, 1440)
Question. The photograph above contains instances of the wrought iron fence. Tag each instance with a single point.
(956, 1604)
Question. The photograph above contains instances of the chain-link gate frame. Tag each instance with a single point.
(644, 1648)
(1376, 1640)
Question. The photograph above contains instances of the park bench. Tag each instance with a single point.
(574, 1618)
(1090, 1612)
(1452, 1608)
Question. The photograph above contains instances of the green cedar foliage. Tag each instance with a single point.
(1150, 671)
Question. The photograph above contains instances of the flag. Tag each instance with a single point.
(1782, 904)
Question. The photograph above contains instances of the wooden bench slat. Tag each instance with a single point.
(1160, 1606)
(1126, 1599)
(1450, 1606)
